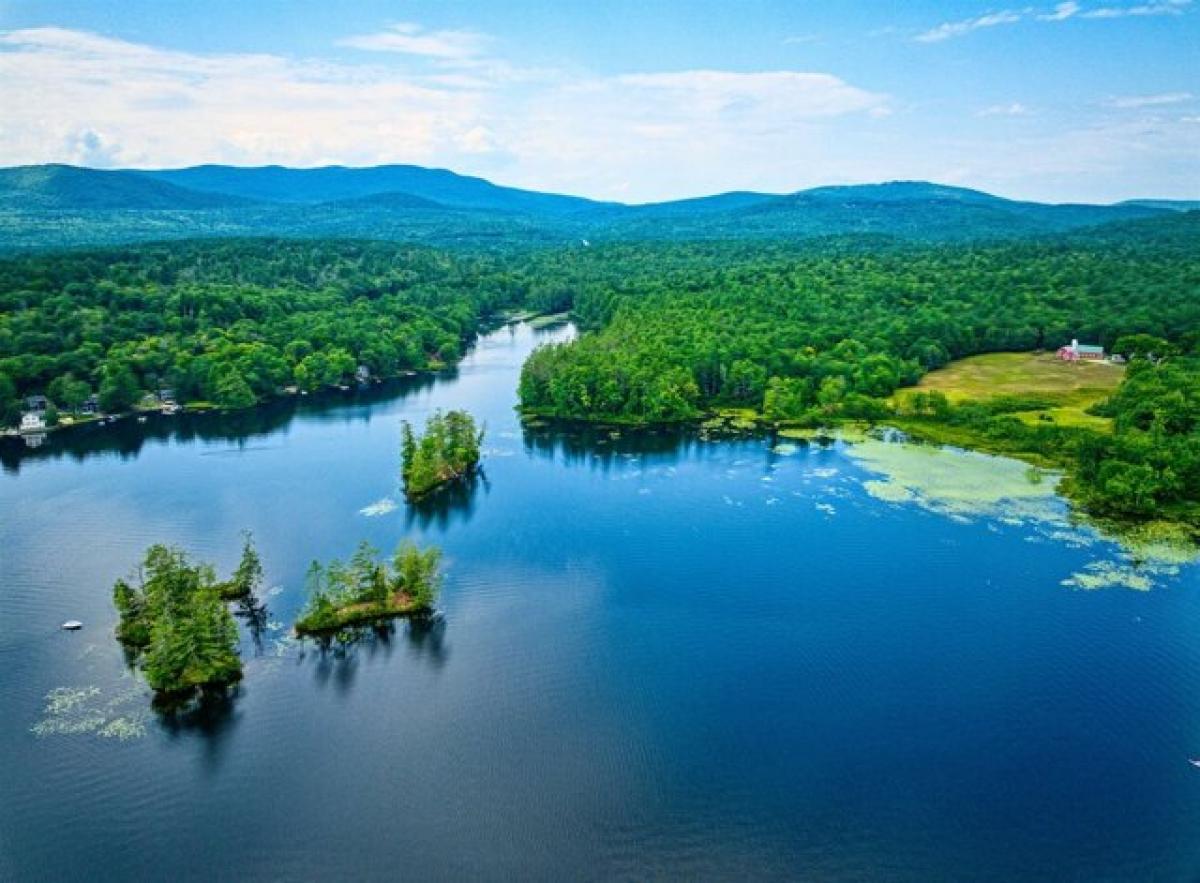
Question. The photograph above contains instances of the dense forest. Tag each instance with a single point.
(233, 322)
(809, 331)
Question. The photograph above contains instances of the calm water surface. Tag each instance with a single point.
(658, 656)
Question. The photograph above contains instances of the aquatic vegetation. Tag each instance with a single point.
(73, 711)
(379, 507)
(955, 483)
(888, 491)
(365, 589)
(1109, 574)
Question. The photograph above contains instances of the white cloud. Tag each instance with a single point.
(949, 29)
(1014, 109)
(412, 39)
(1061, 12)
(67, 93)
(1139, 101)
(690, 132)
(1162, 7)
(77, 97)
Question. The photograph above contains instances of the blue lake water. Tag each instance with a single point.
(658, 656)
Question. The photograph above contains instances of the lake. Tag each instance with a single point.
(658, 655)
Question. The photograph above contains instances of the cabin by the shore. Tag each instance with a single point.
(1077, 351)
(32, 421)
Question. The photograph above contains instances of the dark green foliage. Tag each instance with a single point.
(234, 322)
(802, 332)
(176, 618)
(10, 405)
(247, 578)
(1151, 462)
(366, 589)
(119, 390)
(69, 392)
(1143, 346)
(446, 450)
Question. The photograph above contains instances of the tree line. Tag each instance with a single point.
(234, 322)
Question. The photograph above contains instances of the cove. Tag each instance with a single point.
(656, 655)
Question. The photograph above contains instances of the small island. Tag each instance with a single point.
(365, 589)
(447, 450)
(175, 622)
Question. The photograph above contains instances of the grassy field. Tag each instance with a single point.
(1072, 387)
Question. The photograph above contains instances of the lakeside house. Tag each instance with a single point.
(1077, 351)
(37, 404)
(33, 421)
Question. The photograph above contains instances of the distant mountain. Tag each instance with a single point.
(1175, 205)
(898, 191)
(337, 183)
(59, 187)
(906, 209)
(393, 201)
(57, 206)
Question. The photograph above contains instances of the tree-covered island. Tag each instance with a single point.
(448, 449)
(366, 589)
(174, 620)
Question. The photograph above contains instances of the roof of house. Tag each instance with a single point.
(1088, 348)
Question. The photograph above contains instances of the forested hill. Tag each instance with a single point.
(57, 206)
(683, 328)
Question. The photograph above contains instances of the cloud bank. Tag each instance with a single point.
(448, 98)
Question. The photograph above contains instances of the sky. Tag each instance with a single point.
(630, 100)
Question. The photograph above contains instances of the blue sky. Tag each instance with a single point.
(1089, 100)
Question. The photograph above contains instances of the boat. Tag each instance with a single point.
(72, 625)
(1194, 762)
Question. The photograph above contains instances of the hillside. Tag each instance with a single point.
(62, 206)
(337, 183)
(59, 187)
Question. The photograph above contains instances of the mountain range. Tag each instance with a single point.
(49, 206)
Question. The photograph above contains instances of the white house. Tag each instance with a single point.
(32, 421)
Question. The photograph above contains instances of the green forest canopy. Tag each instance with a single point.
(233, 322)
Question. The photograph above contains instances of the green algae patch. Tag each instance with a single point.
(957, 483)
(1158, 543)
(79, 711)
(548, 321)
(888, 491)
(850, 431)
(1110, 575)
